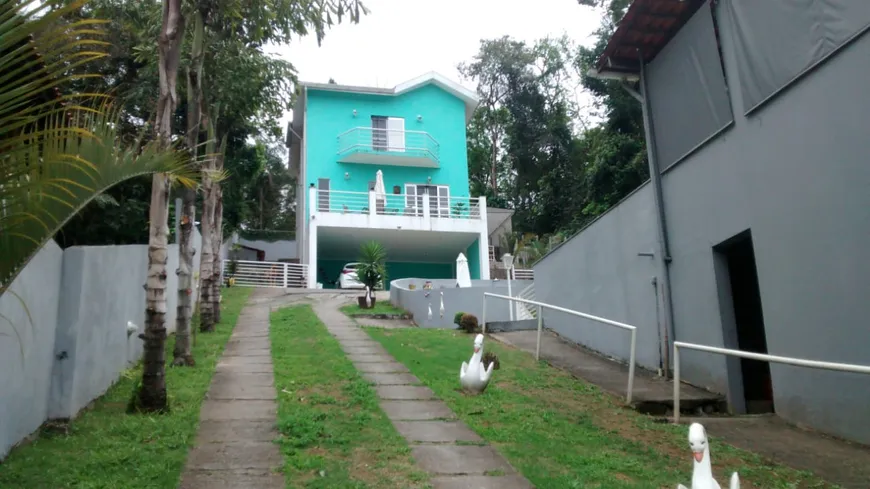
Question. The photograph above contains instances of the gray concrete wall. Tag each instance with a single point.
(102, 291)
(468, 300)
(600, 272)
(80, 300)
(795, 173)
(275, 250)
(26, 357)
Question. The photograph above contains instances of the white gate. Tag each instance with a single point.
(266, 274)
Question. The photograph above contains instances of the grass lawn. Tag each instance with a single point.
(106, 448)
(563, 433)
(333, 433)
(380, 308)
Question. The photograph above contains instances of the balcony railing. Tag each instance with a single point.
(370, 145)
(433, 207)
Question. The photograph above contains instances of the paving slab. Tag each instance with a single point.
(480, 482)
(351, 335)
(225, 410)
(248, 344)
(248, 351)
(235, 456)
(252, 334)
(370, 343)
(246, 360)
(232, 479)
(211, 431)
(436, 431)
(459, 459)
(381, 368)
(234, 390)
(405, 392)
(227, 375)
(391, 379)
(369, 358)
(416, 410)
(364, 350)
(256, 368)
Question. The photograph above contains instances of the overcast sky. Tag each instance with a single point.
(402, 39)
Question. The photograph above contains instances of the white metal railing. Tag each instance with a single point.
(267, 274)
(371, 140)
(797, 362)
(523, 273)
(527, 311)
(541, 306)
(344, 202)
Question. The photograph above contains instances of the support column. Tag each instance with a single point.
(483, 240)
(312, 253)
(313, 211)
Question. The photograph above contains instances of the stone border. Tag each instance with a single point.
(396, 317)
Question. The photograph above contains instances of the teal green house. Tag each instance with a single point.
(389, 165)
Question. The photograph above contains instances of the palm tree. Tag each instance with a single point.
(56, 153)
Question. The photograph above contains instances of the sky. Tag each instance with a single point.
(402, 39)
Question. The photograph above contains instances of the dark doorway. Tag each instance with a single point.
(744, 324)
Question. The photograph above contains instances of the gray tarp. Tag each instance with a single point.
(687, 93)
(775, 41)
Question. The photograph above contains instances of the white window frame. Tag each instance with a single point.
(442, 199)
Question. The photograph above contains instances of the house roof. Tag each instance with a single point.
(646, 28)
(467, 96)
(495, 217)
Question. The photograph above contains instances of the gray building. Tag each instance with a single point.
(754, 228)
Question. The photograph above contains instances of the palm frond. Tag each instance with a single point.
(61, 168)
(57, 155)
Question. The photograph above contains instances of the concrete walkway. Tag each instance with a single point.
(443, 446)
(235, 445)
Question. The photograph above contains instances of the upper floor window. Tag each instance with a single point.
(388, 133)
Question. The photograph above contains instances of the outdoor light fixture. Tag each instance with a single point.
(428, 179)
(507, 260)
(354, 112)
(419, 118)
(346, 175)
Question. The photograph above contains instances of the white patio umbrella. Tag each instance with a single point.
(463, 275)
(380, 191)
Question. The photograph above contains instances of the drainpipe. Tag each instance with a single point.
(663, 258)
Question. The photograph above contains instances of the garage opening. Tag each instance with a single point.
(744, 323)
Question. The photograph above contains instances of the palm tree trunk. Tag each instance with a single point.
(206, 262)
(151, 395)
(182, 353)
(217, 242)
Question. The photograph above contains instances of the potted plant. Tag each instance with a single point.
(371, 271)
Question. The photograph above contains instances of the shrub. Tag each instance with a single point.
(468, 323)
(490, 357)
(457, 318)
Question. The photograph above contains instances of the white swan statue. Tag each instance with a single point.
(441, 310)
(473, 377)
(702, 474)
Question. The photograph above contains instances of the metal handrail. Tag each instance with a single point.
(542, 305)
(797, 362)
